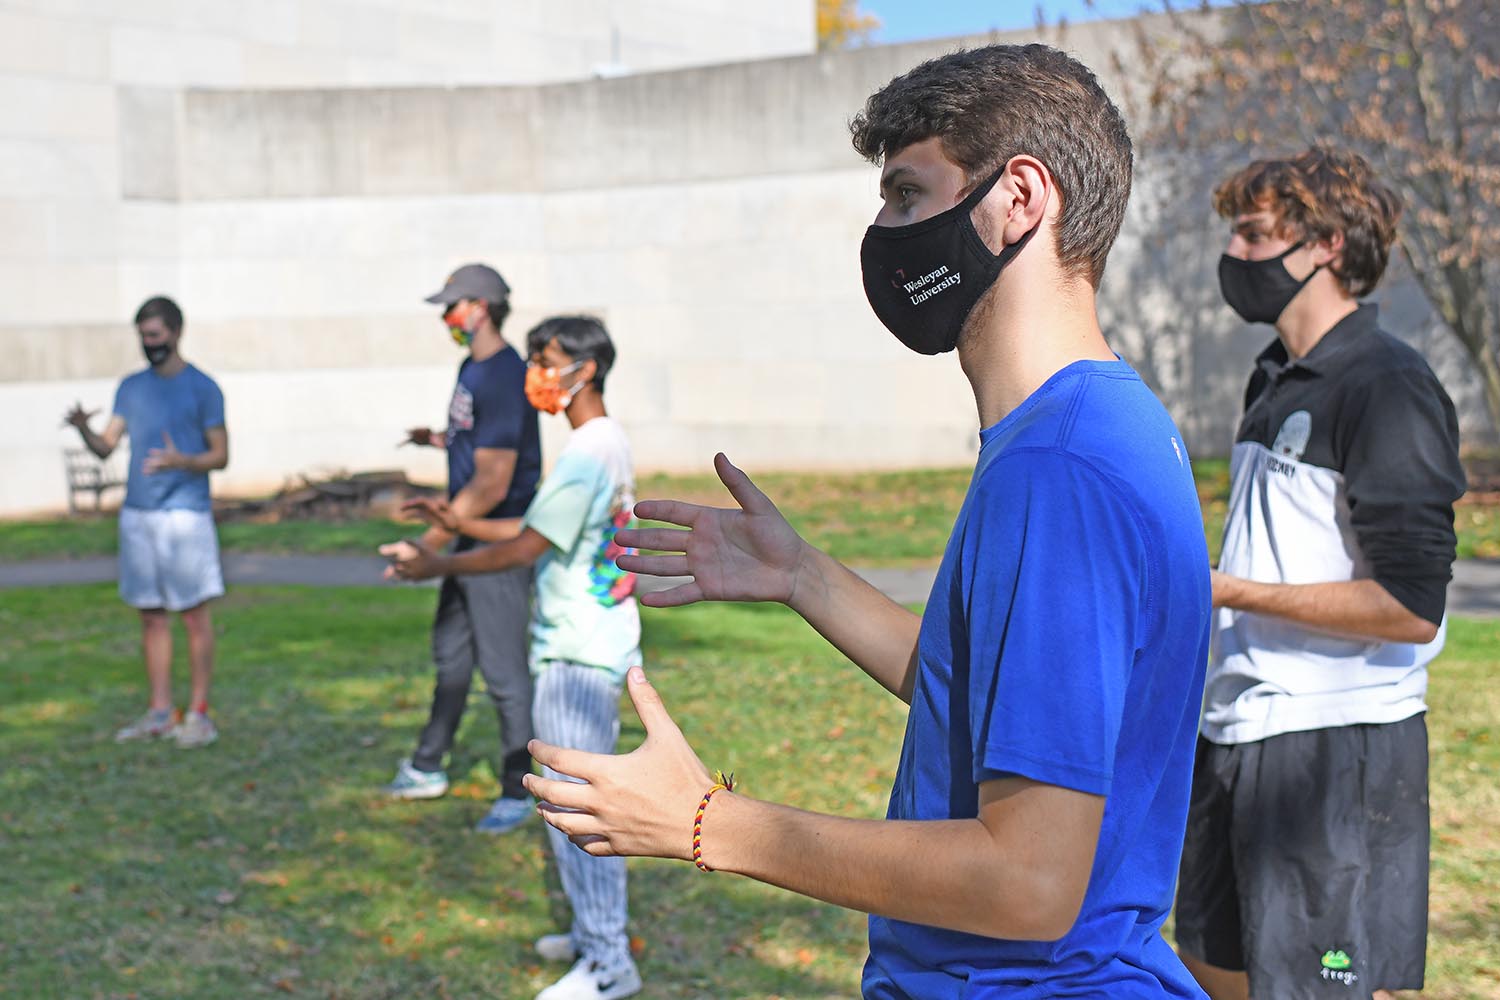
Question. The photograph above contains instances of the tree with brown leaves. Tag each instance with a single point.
(1412, 85)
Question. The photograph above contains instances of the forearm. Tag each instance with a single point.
(490, 529)
(485, 559)
(465, 508)
(1359, 608)
(435, 538)
(95, 443)
(479, 496)
(943, 873)
(205, 461)
(865, 625)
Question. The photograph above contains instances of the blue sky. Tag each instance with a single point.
(909, 20)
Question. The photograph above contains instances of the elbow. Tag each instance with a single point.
(1418, 631)
(1045, 909)
(1056, 913)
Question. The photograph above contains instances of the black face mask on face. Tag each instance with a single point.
(1260, 290)
(156, 353)
(924, 279)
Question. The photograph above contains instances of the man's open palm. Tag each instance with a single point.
(750, 554)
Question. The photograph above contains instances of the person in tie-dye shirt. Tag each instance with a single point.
(585, 626)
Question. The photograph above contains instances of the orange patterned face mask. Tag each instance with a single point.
(544, 388)
(460, 327)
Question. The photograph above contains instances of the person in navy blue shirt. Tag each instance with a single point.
(1033, 834)
(494, 462)
(169, 548)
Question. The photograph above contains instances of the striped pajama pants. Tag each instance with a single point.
(578, 707)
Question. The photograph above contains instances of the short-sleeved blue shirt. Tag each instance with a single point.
(489, 410)
(185, 406)
(1065, 642)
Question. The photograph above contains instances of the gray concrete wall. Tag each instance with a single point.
(711, 216)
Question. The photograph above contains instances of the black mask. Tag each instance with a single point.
(923, 280)
(156, 353)
(1259, 290)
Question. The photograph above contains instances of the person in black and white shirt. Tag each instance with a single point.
(1304, 873)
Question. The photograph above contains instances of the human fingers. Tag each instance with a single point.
(745, 492)
(654, 565)
(563, 794)
(660, 539)
(574, 763)
(677, 512)
(596, 844)
(676, 597)
(648, 705)
(574, 824)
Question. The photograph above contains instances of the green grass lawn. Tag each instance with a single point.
(869, 518)
(267, 865)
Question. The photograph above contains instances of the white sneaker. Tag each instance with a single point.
(557, 947)
(586, 981)
(195, 730)
(413, 784)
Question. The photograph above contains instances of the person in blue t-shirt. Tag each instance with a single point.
(494, 462)
(169, 549)
(1033, 834)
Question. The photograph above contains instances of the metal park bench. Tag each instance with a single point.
(88, 473)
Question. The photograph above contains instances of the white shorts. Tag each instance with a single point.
(168, 558)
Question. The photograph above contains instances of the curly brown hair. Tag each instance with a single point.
(989, 104)
(1316, 194)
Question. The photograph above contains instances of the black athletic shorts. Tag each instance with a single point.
(1305, 863)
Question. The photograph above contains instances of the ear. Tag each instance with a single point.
(1328, 251)
(1019, 201)
(588, 371)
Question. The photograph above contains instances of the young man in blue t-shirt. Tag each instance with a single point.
(1054, 678)
(169, 550)
(494, 461)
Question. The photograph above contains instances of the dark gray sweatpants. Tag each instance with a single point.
(482, 622)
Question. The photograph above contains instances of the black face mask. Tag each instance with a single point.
(1259, 290)
(924, 279)
(156, 353)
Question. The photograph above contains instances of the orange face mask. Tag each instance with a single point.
(544, 389)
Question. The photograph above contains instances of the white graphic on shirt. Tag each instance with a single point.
(460, 411)
(1178, 449)
(1291, 440)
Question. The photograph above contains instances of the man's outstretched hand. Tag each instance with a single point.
(410, 560)
(639, 804)
(79, 417)
(164, 458)
(434, 510)
(749, 554)
(423, 437)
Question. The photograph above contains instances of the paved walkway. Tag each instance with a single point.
(1474, 592)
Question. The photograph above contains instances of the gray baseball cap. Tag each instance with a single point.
(472, 281)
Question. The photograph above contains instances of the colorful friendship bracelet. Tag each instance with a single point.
(725, 782)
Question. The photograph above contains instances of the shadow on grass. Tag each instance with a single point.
(268, 864)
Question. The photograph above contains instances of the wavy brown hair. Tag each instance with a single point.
(1316, 194)
(989, 104)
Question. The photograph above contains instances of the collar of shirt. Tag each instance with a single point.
(1325, 353)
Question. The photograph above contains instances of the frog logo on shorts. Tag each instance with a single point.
(1336, 965)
